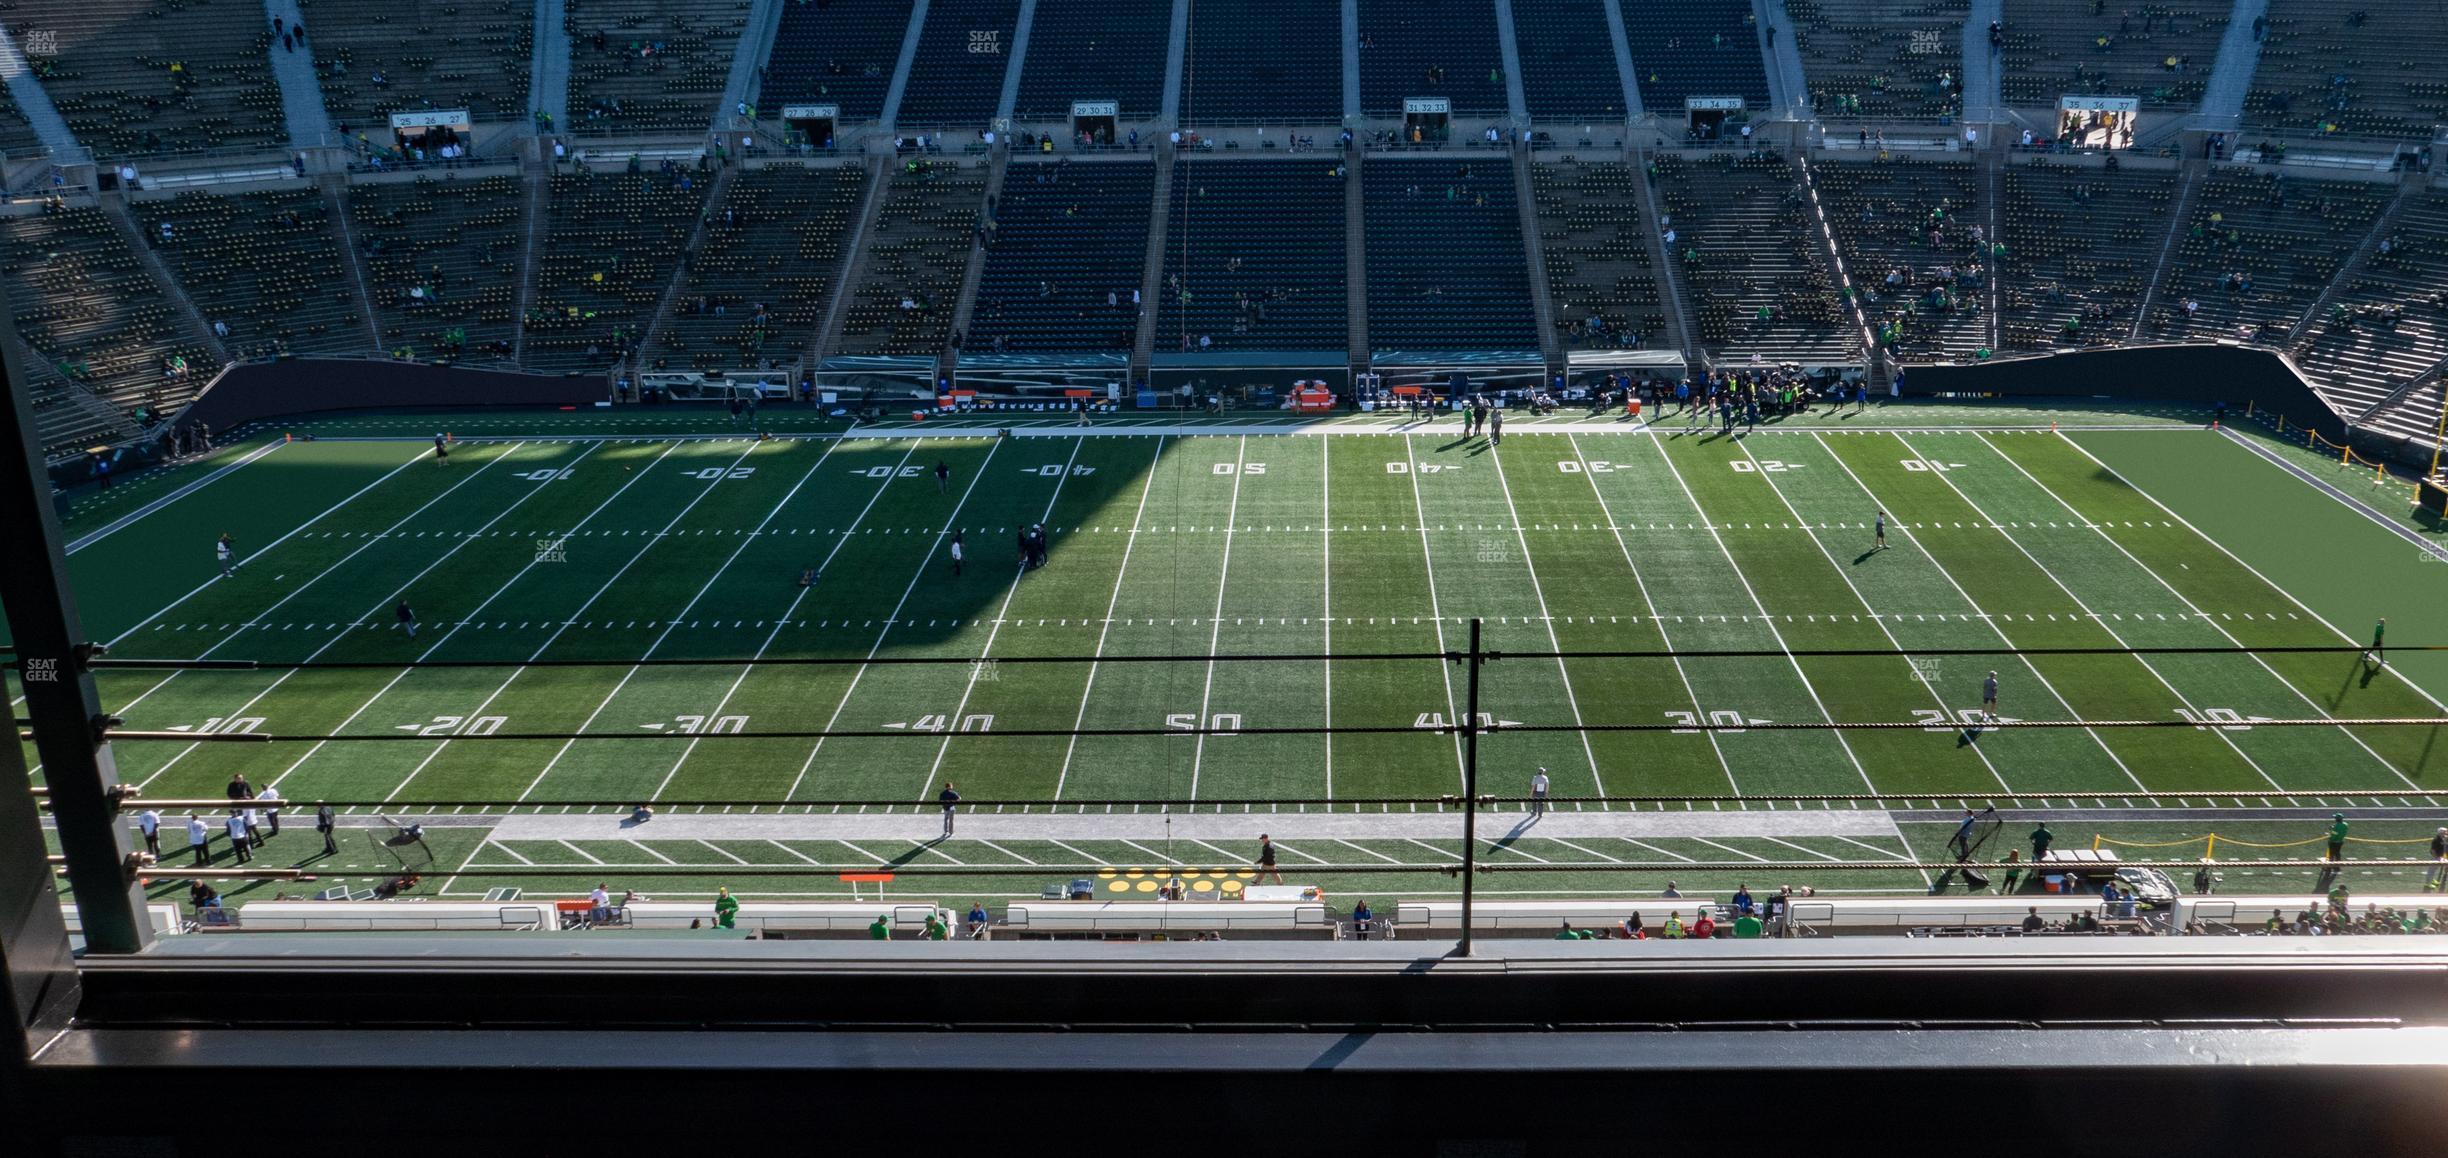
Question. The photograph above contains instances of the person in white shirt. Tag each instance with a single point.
(237, 826)
(254, 828)
(1538, 792)
(602, 902)
(150, 822)
(270, 799)
(198, 837)
(956, 556)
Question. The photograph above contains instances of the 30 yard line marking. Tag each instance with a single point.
(1147, 484)
(1435, 610)
(1562, 672)
(1660, 445)
(877, 647)
(2289, 685)
(1215, 632)
(1994, 629)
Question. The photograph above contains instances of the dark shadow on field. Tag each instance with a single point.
(1865, 556)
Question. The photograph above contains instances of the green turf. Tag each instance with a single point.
(568, 546)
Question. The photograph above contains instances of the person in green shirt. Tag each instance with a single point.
(726, 909)
(1746, 927)
(2014, 873)
(881, 930)
(2378, 651)
(2337, 836)
(2041, 839)
(1567, 933)
(935, 927)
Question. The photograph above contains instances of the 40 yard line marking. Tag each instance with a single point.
(1435, 611)
(691, 605)
(1536, 589)
(1147, 483)
(1215, 631)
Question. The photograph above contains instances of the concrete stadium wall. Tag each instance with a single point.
(2195, 374)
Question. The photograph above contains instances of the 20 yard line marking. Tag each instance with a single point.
(1215, 633)
(1562, 672)
(1147, 484)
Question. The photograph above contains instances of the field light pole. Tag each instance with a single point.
(1470, 787)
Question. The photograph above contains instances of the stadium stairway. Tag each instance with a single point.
(853, 264)
(335, 196)
(539, 199)
(966, 307)
(1151, 269)
(198, 330)
(2408, 190)
(1981, 104)
(660, 322)
(755, 43)
(548, 67)
(294, 70)
(35, 105)
(1681, 329)
(1542, 299)
(1823, 243)
(1992, 163)
(2188, 189)
(2231, 73)
(1355, 258)
(1782, 58)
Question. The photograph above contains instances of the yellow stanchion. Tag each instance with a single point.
(2211, 849)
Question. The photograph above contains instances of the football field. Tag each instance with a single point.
(586, 606)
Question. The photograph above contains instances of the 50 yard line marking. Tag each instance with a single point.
(1435, 611)
(674, 623)
(1215, 630)
(1807, 687)
(1562, 673)
(1148, 483)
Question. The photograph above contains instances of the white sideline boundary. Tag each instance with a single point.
(121, 523)
(1232, 827)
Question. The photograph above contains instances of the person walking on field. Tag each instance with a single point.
(198, 840)
(1989, 697)
(323, 824)
(2439, 860)
(2337, 836)
(226, 554)
(407, 618)
(1495, 427)
(943, 477)
(442, 448)
(1266, 859)
(948, 797)
(2377, 653)
(2041, 839)
(1538, 792)
(956, 554)
(150, 821)
(1878, 533)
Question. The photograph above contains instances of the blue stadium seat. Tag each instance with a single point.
(1697, 48)
(1567, 60)
(957, 79)
(1266, 60)
(1068, 236)
(1431, 48)
(1446, 269)
(1254, 256)
(1086, 50)
(842, 53)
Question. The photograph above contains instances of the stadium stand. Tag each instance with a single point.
(1431, 48)
(1070, 244)
(1446, 269)
(1741, 238)
(957, 79)
(645, 65)
(88, 307)
(265, 265)
(1083, 50)
(2368, 70)
(17, 137)
(374, 58)
(2259, 250)
(136, 77)
(1703, 48)
(1267, 60)
(2415, 416)
(842, 53)
(916, 252)
(1598, 270)
(609, 247)
(1914, 250)
(2389, 322)
(1879, 58)
(1254, 256)
(2081, 242)
(1567, 60)
(2160, 53)
(756, 288)
(442, 263)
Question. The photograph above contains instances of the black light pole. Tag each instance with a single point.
(59, 687)
(1470, 788)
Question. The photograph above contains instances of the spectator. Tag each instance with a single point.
(2031, 920)
(726, 909)
(1702, 928)
(1362, 916)
(977, 920)
(1671, 892)
(1742, 899)
(599, 908)
(881, 929)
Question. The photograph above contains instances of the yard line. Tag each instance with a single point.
(1864, 600)
(1366, 852)
(1230, 857)
(1215, 632)
(794, 852)
(1111, 602)
(508, 851)
(1562, 672)
(674, 623)
(1698, 712)
(2095, 617)
(2196, 609)
(971, 687)
(124, 521)
(1874, 848)
(591, 857)
(1435, 610)
(650, 852)
(1799, 848)
(720, 850)
(488, 601)
(249, 560)
(1762, 608)
(1974, 604)
(1731, 849)
(1503, 845)
(1326, 570)
(949, 522)
(650, 540)
(1584, 849)
(1007, 852)
(1166, 857)
(1668, 854)
(1083, 854)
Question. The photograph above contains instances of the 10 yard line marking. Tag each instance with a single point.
(1779, 636)
(1994, 629)
(1571, 699)
(1111, 602)
(1435, 610)
(1574, 441)
(691, 605)
(1215, 632)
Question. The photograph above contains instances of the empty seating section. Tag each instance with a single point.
(1881, 58)
(2389, 322)
(1265, 60)
(1598, 270)
(1431, 48)
(1446, 269)
(378, 57)
(1742, 240)
(89, 309)
(650, 64)
(957, 78)
(141, 76)
(2081, 242)
(841, 53)
(914, 257)
(1699, 48)
(1907, 230)
(2362, 69)
(16, 135)
(1254, 257)
(1567, 60)
(1087, 50)
(1070, 244)
(2259, 250)
(441, 262)
(2414, 417)
(2160, 53)
(266, 265)
(609, 248)
(757, 286)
